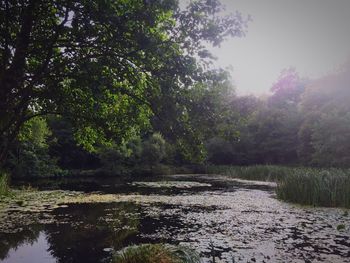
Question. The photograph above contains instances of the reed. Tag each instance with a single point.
(316, 187)
(254, 172)
(309, 186)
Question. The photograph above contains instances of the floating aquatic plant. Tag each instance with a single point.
(171, 184)
(340, 227)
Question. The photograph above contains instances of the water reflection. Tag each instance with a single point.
(13, 241)
(30, 250)
(82, 233)
(89, 232)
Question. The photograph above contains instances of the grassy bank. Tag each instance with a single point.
(270, 173)
(308, 186)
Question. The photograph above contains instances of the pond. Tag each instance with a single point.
(224, 219)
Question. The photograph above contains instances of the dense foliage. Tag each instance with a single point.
(107, 66)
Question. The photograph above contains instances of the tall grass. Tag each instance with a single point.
(316, 187)
(156, 253)
(309, 186)
(4, 187)
(255, 172)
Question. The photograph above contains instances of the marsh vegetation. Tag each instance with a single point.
(307, 186)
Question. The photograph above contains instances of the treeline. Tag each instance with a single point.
(302, 123)
(47, 147)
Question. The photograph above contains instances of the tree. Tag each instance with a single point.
(244, 146)
(287, 90)
(63, 146)
(101, 64)
(219, 151)
(279, 122)
(325, 131)
(153, 150)
(268, 128)
(29, 156)
(191, 117)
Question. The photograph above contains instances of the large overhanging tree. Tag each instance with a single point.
(101, 63)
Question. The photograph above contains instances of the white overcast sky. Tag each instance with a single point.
(311, 35)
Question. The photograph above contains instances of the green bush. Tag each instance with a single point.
(156, 253)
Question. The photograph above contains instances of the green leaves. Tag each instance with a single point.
(104, 65)
(35, 132)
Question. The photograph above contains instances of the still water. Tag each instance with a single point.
(229, 220)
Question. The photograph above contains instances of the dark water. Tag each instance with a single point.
(228, 220)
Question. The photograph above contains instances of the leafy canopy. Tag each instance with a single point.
(102, 63)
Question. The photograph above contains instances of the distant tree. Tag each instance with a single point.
(29, 156)
(231, 142)
(331, 140)
(153, 150)
(194, 115)
(325, 131)
(244, 145)
(114, 159)
(220, 151)
(287, 90)
(268, 128)
(275, 136)
(63, 146)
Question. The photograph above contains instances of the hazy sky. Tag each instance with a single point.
(311, 35)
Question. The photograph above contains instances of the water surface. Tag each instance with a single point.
(229, 220)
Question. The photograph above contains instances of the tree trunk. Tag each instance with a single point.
(14, 98)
